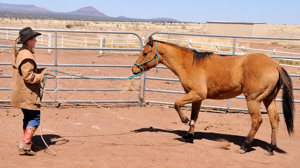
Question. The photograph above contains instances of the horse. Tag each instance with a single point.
(205, 75)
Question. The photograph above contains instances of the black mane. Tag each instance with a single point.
(198, 56)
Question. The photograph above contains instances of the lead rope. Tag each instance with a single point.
(43, 90)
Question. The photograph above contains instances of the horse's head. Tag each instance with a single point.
(147, 59)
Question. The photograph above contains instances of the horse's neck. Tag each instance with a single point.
(177, 62)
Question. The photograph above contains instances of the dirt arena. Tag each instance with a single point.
(85, 136)
(82, 135)
(125, 135)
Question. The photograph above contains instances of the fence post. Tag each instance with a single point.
(85, 42)
(112, 43)
(6, 34)
(62, 40)
(274, 52)
(55, 64)
(144, 87)
(49, 42)
(217, 47)
(233, 46)
(143, 41)
(190, 44)
(228, 105)
(242, 49)
(101, 45)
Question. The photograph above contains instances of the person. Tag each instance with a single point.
(26, 84)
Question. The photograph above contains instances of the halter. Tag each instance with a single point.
(155, 55)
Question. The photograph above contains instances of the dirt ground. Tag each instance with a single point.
(125, 135)
(89, 136)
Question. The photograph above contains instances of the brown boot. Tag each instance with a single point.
(25, 145)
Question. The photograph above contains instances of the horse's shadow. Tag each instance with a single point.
(50, 139)
(236, 139)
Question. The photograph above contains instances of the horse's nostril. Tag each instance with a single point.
(135, 70)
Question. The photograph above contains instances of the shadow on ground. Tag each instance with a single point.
(236, 139)
(50, 139)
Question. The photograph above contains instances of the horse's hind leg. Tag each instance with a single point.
(274, 120)
(194, 116)
(256, 120)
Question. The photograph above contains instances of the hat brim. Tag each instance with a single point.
(35, 34)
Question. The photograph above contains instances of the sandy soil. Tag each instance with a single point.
(88, 136)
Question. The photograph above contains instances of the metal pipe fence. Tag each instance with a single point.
(142, 91)
(48, 39)
(110, 42)
(56, 47)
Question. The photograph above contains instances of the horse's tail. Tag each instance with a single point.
(287, 99)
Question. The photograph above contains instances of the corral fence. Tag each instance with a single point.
(52, 41)
(70, 40)
(55, 47)
(64, 40)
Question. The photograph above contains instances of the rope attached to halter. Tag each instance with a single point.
(155, 55)
(86, 77)
(130, 77)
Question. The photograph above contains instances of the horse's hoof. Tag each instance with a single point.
(269, 153)
(185, 120)
(189, 138)
(242, 151)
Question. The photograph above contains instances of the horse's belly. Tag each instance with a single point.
(223, 94)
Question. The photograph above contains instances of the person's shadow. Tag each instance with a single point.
(50, 139)
(236, 139)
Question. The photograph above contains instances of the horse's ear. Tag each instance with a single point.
(150, 42)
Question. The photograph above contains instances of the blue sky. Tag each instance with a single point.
(268, 11)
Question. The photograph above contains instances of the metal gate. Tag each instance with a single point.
(48, 46)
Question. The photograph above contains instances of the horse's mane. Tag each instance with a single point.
(197, 56)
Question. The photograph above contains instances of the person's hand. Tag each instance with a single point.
(48, 72)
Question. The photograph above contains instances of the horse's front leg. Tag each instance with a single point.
(194, 116)
(190, 97)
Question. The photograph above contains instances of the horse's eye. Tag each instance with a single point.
(145, 54)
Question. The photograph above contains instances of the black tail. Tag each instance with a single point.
(287, 99)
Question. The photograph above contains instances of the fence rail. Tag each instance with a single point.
(100, 45)
(55, 47)
(110, 42)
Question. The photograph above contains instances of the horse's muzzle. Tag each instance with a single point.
(136, 70)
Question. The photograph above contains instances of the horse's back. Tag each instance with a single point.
(231, 76)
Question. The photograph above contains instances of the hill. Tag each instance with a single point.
(85, 13)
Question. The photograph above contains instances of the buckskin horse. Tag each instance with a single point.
(205, 75)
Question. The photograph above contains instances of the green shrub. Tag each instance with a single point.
(69, 26)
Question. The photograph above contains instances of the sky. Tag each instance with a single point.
(201, 11)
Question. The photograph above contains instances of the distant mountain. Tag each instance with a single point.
(25, 8)
(86, 13)
(163, 20)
